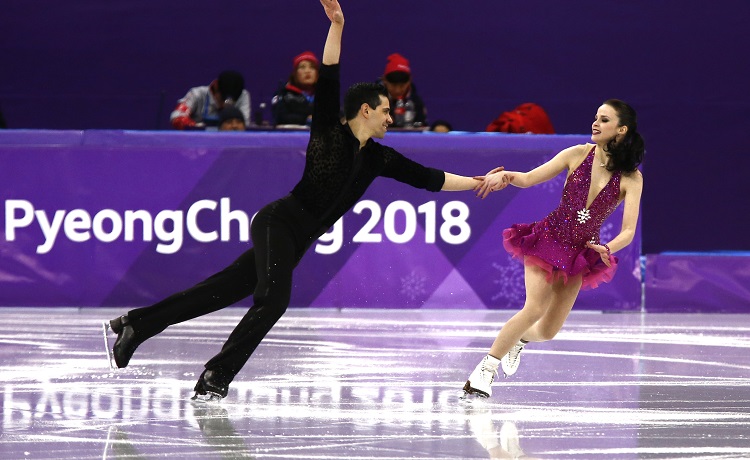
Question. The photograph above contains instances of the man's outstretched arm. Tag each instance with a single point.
(332, 49)
(454, 182)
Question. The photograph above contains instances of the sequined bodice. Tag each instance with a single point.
(572, 221)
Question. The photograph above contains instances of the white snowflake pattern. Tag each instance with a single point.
(510, 283)
(413, 285)
(583, 216)
(606, 232)
(556, 184)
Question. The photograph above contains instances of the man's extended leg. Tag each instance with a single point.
(280, 240)
(220, 290)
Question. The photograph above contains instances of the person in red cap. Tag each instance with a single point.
(293, 102)
(408, 108)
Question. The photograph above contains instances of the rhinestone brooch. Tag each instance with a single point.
(583, 216)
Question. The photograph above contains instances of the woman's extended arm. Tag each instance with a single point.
(559, 163)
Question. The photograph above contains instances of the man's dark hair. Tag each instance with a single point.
(231, 84)
(362, 93)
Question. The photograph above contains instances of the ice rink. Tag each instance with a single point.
(377, 384)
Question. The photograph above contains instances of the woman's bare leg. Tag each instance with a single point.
(561, 302)
(546, 308)
(538, 293)
(543, 314)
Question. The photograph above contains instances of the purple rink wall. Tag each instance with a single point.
(125, 218)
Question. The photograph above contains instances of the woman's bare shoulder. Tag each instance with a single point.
(574, 156)
(632, 182)
(635, 177)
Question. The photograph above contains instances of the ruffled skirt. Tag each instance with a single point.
(533, 244)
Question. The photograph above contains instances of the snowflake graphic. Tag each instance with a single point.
(583, 216)
(606, 232)
(509, 282)
(556, 184)
(413, 285)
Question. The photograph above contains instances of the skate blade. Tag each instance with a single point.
(472, 401)
(475, 396)
(208, 398)
(470, 392)
(110, 356)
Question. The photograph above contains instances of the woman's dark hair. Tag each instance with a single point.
(362, 93)
(626, 154)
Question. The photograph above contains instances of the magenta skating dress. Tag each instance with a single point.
(557, 243)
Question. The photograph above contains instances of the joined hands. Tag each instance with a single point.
(493, 181)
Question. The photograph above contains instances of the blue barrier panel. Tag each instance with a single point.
(679, 282)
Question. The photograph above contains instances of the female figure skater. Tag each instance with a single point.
(562, 253)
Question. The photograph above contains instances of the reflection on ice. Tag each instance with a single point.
(348, 384)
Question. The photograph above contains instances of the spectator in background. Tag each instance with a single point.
(441, 126)
(528, 118)
(231, 119)
(293, 102)
(402, 93)
(202, 104)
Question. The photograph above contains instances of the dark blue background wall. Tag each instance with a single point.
(83, 64)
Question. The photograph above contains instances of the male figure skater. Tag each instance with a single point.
(342, 160)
